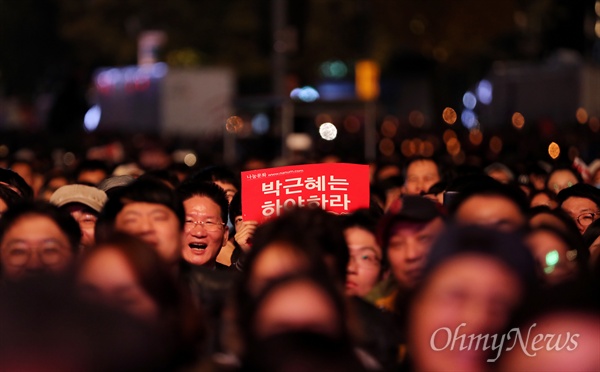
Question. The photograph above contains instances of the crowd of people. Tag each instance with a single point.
(122, 268)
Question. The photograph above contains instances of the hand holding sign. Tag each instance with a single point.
(244, 234)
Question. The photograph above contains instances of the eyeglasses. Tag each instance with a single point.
(366, 258)
(207, 225)
(586, 219)
(49, 254)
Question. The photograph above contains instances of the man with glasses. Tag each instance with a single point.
(205, 229)
(582, 203)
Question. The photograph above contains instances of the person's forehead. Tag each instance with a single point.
(422, 166)
(202, 201)
(562, 175)
(144, 207)
(579, 202)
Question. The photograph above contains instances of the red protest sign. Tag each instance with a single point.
(335, 187)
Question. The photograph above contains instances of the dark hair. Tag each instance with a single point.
(313, 231)
(507, 248)
(420, 158)
(235, 206)
(478, 185)
(63, 219)
(178, 316)
(164, 175)
(572, 239)
(216, 173)
(568, 223)
(11, 178)
(9, 196)
(366, 220)
(591, 234)
(214, 192)
(147, 190)
(580, 190)
(92, 165)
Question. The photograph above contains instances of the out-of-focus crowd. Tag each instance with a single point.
(124, 268)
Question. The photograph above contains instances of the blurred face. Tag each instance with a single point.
(542, 199)
(92, 176)
(155, 224)
(561, 179)
(298, 306)
(471, 289)
(500, 176)
(420, 176)
(408, 249)
(583, 211)
(550, 253)
(275, 261)
(34, 245)
(364, 266)
(25, 171)
(492, 211)
(107, 277)
(204, 231)
(86, 218)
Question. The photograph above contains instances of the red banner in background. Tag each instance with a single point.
(335, 187)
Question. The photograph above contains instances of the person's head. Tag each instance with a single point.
(591, 237)
(15, 182)
(300, 240)
(205, 229)
(473, 282)
(37, 238)
(542, 198)
(91, 172)
(8, 198)
(301, 302)
(582, 203)
(84, 203)
(555, 252)
(221, 176)
(557, 218)
(420, 175)
(148, 209)
(488, 202)
(561, 178)
(500, 172)
(367, 264)
(406, 233)
(24, 169)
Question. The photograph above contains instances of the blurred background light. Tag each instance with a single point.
(260, 123)
(469, 100)
(328, 131)
(469, 119)
(92, 118)
(484, 92)
(449, 115)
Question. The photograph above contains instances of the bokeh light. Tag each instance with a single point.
(453, 146)
(234, 124)
(476, 137)
(496, 144)
(594, 124)
(553, 150)
(260, 123)
(92, 118)
(448, 133)
(469, 119)
(388, 128)
(485, 92)
(407, 148)
(416, 118)
(328, 131)
(459, 158)
(387, 147)
(352, 124)
(469, 100)
(518, 120)
(190, 159)
(581, 115)
(449, 115)
(427, 149)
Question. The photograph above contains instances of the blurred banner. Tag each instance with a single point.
(335, 187)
